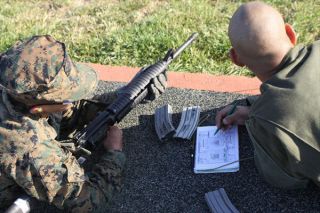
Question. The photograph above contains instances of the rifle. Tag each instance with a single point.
(132, 94)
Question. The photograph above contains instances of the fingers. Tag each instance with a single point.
(163, 80)
(228, 121)
(114, 130)
(50, 108)
(157, 86)
(114, 139)
(239, 117)
(221, 115)
(160, 83)
(153, 93)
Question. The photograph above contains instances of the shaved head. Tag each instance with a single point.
(258, 34)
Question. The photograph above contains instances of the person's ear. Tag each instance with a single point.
(234, 58)
(291, 34)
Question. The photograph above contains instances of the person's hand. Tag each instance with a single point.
(45, 110)
(239, 117)
(157, 86)
(113, 141)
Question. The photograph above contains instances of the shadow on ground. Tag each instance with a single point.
(159, 176)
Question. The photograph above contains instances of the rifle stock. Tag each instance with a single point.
(133, 93)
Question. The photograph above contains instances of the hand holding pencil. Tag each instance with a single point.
(231, 115)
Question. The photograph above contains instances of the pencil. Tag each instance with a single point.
(231, 111)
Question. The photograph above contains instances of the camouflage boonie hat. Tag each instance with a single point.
(39, 71)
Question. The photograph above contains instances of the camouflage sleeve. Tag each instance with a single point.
(103, 181)
(52, 174)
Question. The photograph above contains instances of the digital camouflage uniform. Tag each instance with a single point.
(32, 160)
(284, 122)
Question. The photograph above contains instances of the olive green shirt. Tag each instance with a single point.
(284, 122)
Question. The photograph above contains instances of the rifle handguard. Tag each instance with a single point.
(131, 95)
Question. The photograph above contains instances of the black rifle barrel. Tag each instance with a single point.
(131, 95)
(185, 45)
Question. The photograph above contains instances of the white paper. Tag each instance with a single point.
(213, 151)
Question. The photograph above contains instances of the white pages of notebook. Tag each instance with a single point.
(216, 153)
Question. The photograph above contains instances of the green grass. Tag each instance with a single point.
(138, 32)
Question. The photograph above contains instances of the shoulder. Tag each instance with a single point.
(21, 135)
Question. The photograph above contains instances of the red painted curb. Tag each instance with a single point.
(197, 81)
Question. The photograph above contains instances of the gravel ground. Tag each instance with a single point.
(159, 176)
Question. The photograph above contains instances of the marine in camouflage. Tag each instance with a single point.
(32, 158)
